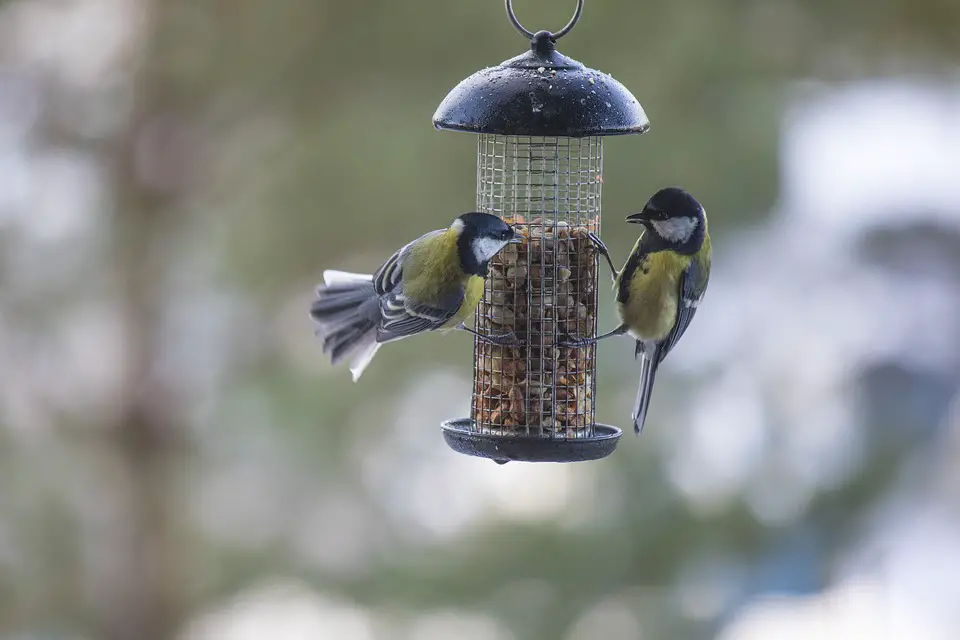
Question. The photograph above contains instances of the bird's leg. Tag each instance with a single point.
(508, 339)
(602, 250)
(585, 342)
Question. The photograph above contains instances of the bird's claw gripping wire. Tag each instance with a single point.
(602, 250)
(579, 343)
(508, 339)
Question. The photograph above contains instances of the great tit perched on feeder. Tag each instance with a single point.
(662, 283)
(434, 282)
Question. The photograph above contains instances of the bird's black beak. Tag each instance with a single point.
(516, 238)
(639, 218)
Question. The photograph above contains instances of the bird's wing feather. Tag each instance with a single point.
(404, 317)
(693, 285)
(390, 274)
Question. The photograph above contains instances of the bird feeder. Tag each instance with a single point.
(540, 119)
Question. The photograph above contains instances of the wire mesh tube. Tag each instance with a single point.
(544, 290)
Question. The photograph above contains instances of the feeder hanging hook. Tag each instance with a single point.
(553, 36)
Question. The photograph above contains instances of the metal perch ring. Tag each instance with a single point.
(554, 36)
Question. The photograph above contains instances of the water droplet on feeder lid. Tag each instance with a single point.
(608, 104)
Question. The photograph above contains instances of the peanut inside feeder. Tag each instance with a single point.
(543, 290)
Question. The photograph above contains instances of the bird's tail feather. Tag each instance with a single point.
(648, 372)
(363, 355)
(332, 277)
(346, 311)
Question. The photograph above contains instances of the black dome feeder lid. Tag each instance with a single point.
(541, 93)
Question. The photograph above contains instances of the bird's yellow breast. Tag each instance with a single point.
(472, 293)
(650, 308)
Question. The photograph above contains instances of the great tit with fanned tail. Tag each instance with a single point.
(662, 283)
(434, 282)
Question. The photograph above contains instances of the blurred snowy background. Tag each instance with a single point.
(178, 461)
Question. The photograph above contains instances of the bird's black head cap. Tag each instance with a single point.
(676, 219)
(474, 226)
(672, 202)
(477, 223)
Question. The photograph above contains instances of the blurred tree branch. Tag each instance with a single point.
(151, 175)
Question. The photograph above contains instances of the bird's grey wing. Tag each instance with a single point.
(390, 274)
(402, 316)
(693, 285)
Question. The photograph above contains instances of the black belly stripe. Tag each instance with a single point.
(634, 262)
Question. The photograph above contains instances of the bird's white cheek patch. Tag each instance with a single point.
(486, 248)
(676, 229)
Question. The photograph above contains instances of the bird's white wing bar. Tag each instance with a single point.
(403, 317)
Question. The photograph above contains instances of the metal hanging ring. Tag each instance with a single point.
(555, 36)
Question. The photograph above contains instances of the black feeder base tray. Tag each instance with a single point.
(502, 449)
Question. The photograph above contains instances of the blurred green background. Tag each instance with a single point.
(178, 460)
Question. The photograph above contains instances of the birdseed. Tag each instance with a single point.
(544, 291)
